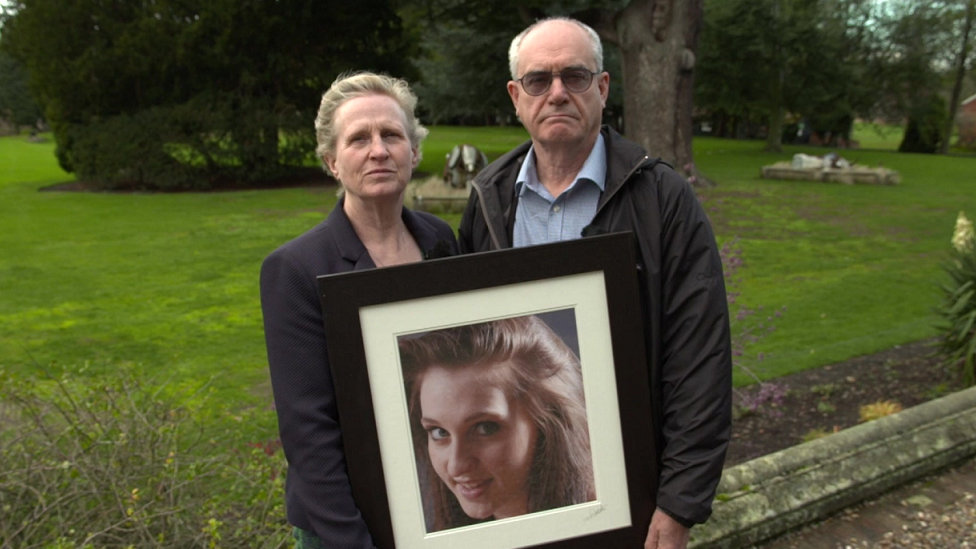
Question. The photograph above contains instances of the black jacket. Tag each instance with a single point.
(683, 298)
(317, 491)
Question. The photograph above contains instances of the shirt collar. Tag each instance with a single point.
(594, 170)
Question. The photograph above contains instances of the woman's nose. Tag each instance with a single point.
(460, 460)
(378, 149)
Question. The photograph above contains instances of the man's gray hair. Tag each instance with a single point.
(358, 84)
(515, 48)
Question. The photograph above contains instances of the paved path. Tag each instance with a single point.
(935, 512)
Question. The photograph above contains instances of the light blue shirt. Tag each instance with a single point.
(542, 218)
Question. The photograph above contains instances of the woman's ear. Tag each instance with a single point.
(416, 156)
(331, 164)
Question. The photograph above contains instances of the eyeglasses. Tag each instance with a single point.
(575, 80)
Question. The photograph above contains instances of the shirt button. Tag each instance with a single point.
(556, 209)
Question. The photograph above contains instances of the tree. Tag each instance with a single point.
(745, 71)
(209, 88)
(764, 60)
(910, 67)
(656, 41)
(969, 7)
(460, 73)
(16, 104)
(462, 65)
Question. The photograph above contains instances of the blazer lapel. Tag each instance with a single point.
(346, 240)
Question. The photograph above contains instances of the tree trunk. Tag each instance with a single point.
(774, 128)
(658, 40)
(774, 135)
(960, 76)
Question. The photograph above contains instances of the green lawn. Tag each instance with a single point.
(169, 281)
(856, 266)
(877, 136)
(493, 141)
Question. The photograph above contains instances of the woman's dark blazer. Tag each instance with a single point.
(318, 495)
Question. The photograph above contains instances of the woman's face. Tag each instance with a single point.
(373, 157)
(480, 441)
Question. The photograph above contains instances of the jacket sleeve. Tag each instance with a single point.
(696, 357)
(306, 405)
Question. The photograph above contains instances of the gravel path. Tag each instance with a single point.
(936, 512)
(953, 526)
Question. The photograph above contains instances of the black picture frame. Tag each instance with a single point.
(523, 276)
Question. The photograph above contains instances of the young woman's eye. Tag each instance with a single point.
(437, 433)
(486, 428)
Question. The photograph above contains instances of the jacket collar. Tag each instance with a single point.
(624, 157)
(495, 185)
(352, 248)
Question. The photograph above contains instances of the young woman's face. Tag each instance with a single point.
(480, 441)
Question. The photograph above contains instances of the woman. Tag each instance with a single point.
(498, 419)
(369, 139)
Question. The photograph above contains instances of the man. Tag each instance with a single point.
(575, 178)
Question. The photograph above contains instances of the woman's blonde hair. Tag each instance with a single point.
(534, 367)
(358, 84)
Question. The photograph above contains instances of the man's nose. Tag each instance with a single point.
(557, 91)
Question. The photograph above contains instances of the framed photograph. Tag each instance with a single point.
(497, 400)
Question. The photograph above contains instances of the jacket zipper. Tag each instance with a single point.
(624, 180)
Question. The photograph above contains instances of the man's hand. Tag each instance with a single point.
(666, 533)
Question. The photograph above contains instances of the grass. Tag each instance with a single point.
(856, 266)
(169, 281)
(494, 142)
(877, 136)
(887, 137)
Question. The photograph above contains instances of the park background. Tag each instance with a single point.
(159, 150)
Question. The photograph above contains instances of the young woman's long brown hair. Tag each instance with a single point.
(534, 367)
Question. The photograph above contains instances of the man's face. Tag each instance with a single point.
(559, 117)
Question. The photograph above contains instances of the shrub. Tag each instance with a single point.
(814, 434)
(127, 152)
(122, 462)
(197, 145)
(825, 407)
(957, 312)
(878, 410)
(824, 389)
(926, 121)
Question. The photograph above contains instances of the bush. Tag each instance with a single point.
(923, 134)
(957, 312)
(121, 462)
(128, 152)
(878, 410)
(197, 145)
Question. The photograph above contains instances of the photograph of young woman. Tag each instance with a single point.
(498, 421)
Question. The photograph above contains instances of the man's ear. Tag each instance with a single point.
(416, 156)
(513, 92)
(603, 81)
